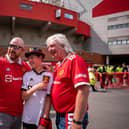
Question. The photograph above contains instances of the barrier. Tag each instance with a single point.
(112, 80)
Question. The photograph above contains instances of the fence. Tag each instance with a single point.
(112, 80)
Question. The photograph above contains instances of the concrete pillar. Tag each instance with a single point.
(107, 60)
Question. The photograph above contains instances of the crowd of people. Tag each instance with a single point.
(28, 90)
(108, 75)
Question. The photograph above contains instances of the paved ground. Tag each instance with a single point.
(107, 109)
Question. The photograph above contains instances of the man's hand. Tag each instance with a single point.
(75, 126)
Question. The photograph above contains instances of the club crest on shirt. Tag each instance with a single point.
(61, 72)
(23, 69)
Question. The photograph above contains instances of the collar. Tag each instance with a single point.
(37, 72)
(61, 62)
(11, 61)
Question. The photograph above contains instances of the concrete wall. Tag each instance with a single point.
(83, 7)
(115, 19)
(102, 34)
(4, 34)
(96, 44)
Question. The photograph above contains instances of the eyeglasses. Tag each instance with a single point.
(14, 47)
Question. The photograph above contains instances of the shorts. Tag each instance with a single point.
(29, 126)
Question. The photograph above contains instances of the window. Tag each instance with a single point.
(111, 27)
(25, 6)
(127, 24)
(119, 42)
(109, 43)
(114, 42)
(123, 41)
(128, 41)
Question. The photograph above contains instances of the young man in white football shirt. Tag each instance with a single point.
(36, 90)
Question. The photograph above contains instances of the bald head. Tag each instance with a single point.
(17, 41)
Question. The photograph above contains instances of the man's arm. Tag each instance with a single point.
(80, 105)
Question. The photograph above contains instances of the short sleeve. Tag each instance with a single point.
(80, 74)
(24, 84)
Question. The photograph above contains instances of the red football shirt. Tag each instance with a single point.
(67, 76)
(10, 86)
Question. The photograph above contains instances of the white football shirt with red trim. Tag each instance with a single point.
(34, 106)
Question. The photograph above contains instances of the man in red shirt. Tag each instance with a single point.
(71, 84)
(12, 68)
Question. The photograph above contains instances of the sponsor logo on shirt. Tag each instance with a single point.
(72, 57)
(10, 78)
(57, 82)
(30, 83)
(8, 69)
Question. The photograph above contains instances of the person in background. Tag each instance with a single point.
(128, 67)
(109, 70)
(12, 68)
(92, 78)
(119, 74)
(125, 74)
(71, 84)
(128, 74)
(36, 90)
(102, 72)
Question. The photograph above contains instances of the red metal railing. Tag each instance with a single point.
(112, 80)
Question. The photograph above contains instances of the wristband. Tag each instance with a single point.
(44, 122)
(77, 122)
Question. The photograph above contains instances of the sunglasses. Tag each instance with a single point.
(14, 47)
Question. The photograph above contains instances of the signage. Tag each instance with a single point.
(25, 6)
(68, 16)
(58, 13)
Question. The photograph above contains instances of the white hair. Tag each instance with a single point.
(62, 40)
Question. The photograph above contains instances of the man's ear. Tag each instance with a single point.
(23, 49)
